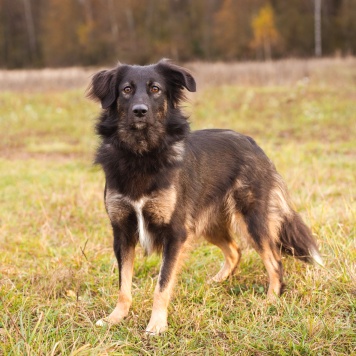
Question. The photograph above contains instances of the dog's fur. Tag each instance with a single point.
(166, 185)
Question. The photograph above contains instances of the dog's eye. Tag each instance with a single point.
(154, 89)
(127, 90)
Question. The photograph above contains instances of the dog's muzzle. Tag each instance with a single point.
(139, 125)
(139, 120)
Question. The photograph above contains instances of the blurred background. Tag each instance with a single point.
(280, 71)
(59, 33)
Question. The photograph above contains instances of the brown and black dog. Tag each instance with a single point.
(165, 185)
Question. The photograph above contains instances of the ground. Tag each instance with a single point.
(58, 273)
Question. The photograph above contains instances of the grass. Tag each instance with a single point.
(57, 270)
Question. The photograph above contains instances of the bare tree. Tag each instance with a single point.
(317, 27)
(30, 27)
(113, 24)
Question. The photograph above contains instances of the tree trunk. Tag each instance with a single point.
(30, 27)
(317, 27)
(113, 23)
(267, 51)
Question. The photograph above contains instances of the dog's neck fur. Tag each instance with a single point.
(140, 173)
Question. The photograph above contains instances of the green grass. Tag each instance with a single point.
(58, 273)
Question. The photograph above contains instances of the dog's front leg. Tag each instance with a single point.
(124, 249)
(172, 256)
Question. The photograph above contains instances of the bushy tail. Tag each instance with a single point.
(297, 240)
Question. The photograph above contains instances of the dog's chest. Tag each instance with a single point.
(152, 210)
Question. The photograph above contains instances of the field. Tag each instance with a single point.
(58, 274)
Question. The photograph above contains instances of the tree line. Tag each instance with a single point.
(53, 33)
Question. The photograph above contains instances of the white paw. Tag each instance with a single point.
(157, 327)
(101, 322)
(115, 317)
(216, 279)
(220, 277)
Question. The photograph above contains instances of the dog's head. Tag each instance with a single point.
(140, 101)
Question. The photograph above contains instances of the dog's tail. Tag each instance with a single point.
(296, 239)
(294, 236)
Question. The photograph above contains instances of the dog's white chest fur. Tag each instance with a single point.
(159, 206)
(143, 233)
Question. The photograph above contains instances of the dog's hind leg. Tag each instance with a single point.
(272, 260)
(264, 241)
(223, 239)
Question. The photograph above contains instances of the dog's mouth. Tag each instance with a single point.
(139, 125)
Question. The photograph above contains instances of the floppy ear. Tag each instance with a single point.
(103, 87)
(176, 75)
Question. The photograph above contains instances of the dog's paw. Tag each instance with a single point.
(227, 270)
(114, 318)
(156, 327)
(221, 276)
(273, 296)
(101, 322)
(107, 322)
(217, 279)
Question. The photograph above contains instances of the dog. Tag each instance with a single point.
(166, 185)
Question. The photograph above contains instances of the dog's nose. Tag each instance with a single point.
(140, 110)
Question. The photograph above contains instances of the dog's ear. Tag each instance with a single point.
(176, 75)
(103, 87)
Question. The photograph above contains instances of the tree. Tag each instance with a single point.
(317, 25)
(345, 25)
(30, 28)
(265, 33)
(232, 28)
(19, 30)
(225, 30)
(99, 32)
